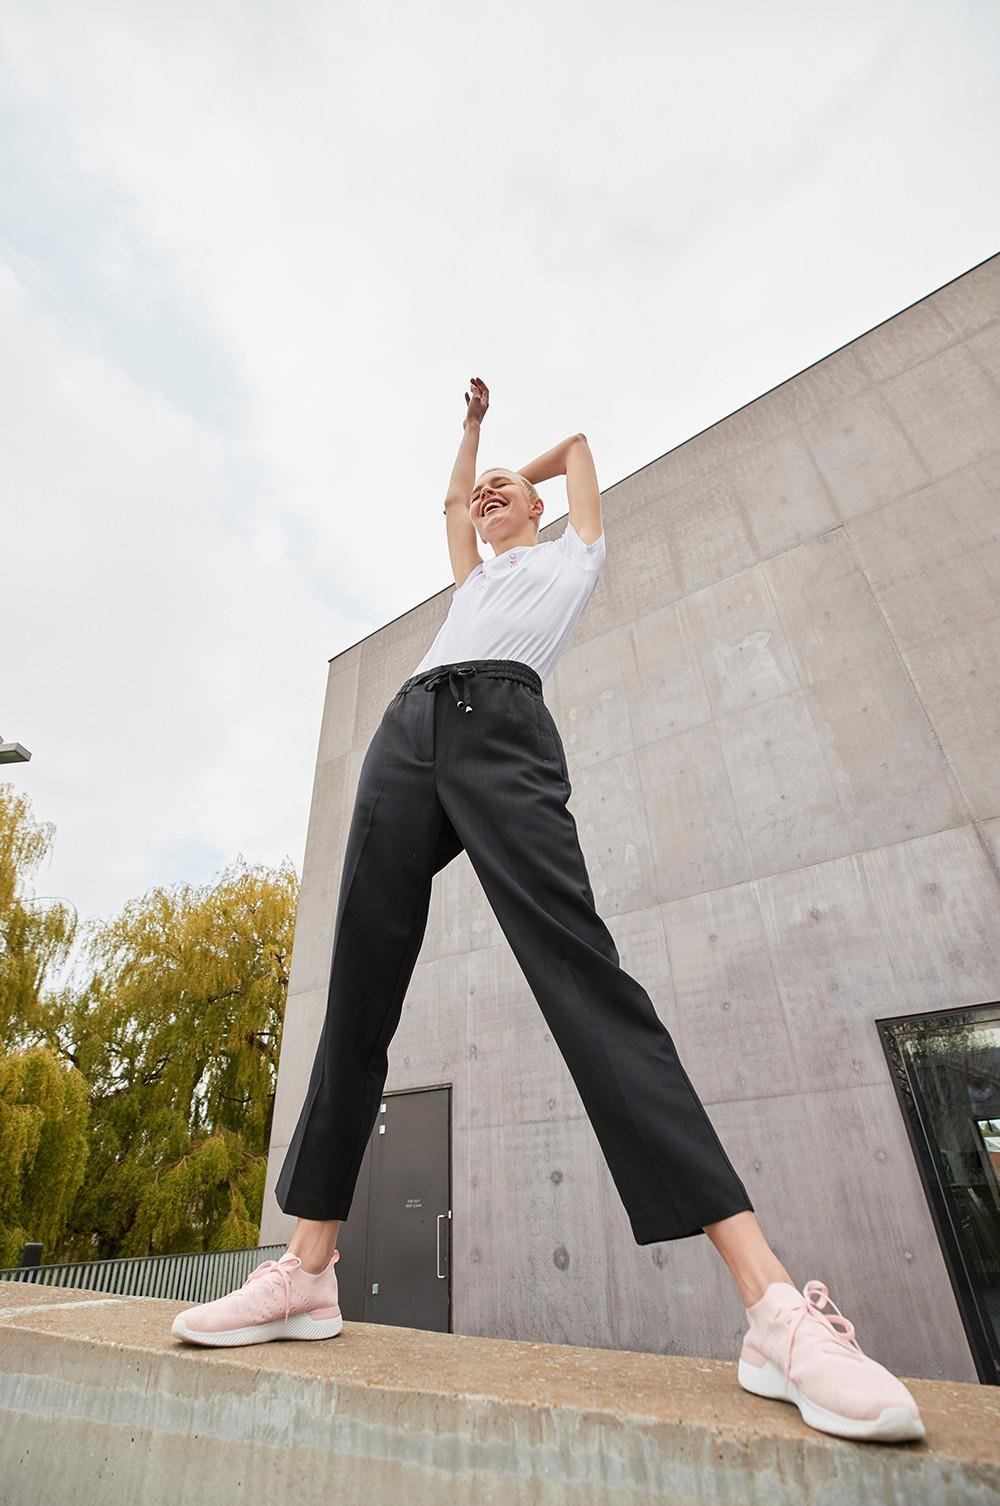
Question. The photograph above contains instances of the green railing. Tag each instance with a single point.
(192, 1278)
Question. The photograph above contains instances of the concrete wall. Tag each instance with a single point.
(781, 712)
(101, 1406)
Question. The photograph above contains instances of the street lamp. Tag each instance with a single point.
(13, 752)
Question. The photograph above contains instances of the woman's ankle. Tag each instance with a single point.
(314, 1242)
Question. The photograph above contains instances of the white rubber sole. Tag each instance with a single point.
(893, 1425)
(301, 1326)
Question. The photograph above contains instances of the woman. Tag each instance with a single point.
(480, 767)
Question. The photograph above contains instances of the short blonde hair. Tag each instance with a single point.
(532, 493)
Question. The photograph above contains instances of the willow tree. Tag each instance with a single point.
(43, 1097)
(177, 1033)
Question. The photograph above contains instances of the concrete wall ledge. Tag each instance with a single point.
(100, 1405)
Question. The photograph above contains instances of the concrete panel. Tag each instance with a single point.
(985, 348)
(430, 1045)
(989, 834)
(304, 1018)
(842, 765)
(827, 383)
(784, 802)
(728, 1021)
(705, 530)
(905, 340)
(329, 821)
(739, 643)
(275, 1226)
(516, 1071)
(337, 736)
(782, 494)
(731, 438)
(614, 837)
(829, 615)
(973, 300)
(756, 423)
(694, 832)
(594, 708)
(949, 408)
(536, 1260)
(886, 767)
(460, 918)
(933, 558)
(959, 683)
(863, 453)
(938, 905)
(666, 689)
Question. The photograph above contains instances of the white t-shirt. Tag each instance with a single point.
(522, 604)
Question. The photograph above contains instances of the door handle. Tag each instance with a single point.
(442, 1275)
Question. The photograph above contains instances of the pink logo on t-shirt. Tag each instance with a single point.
(513, 559)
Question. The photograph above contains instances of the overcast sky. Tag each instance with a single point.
(250, 255)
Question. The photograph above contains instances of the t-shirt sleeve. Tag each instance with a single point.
(589, 556)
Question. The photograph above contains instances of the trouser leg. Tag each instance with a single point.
(399, 838)
(504, 787)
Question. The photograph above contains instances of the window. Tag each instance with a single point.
(946, 1071)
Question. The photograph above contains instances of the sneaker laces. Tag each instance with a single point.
(817, 1296)
(282, 1268)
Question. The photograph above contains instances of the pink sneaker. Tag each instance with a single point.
(793, 1352)
(278, 1300)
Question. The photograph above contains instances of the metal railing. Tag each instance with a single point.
(200, 1276)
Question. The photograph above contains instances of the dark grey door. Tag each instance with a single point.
(395, 1247)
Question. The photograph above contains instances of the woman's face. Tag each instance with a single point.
(499, 506)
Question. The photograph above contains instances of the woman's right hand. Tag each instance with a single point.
(479, 402)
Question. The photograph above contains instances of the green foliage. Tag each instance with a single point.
(35, 935)
(135, 1108)
(43, 1148)
(178, 1033)
(43, 1098)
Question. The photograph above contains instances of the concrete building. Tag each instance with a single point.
(781, 713)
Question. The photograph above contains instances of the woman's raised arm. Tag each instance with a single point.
(463, 540)
(573, 460)
(552, 463)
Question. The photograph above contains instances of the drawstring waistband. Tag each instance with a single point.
(457, 675)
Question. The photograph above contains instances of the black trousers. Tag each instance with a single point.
(469, 757)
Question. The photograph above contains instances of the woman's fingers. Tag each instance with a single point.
(480, 393)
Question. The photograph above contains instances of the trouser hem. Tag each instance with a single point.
(659, 1228)
(295, 1208)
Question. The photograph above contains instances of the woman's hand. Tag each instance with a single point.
(463, 473)
(479, 402)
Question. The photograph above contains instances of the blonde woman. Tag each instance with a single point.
(467, 757)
